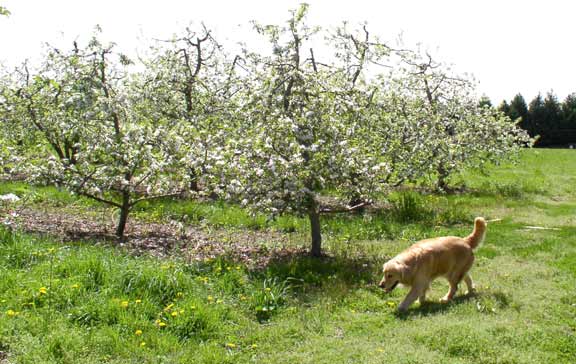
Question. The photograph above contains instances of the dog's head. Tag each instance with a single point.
(394, 273)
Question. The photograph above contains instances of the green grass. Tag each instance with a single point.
(301, 310)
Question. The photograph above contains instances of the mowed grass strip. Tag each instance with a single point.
(86, 303)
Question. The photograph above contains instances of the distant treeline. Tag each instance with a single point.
(554, 121)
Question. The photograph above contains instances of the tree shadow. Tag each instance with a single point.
(317, 273)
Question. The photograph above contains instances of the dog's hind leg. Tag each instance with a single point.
(451, 292)
(469, 284)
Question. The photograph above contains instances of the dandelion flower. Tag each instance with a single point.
(210, 298)
(237, 267)
(43, 290)
(174, 314)
(230, 345)
(162, 324)
(138, 332)
(253, 346)
(179, 294)
(169, 307)
(124, 304)
(143, 344)
(242, 298)
(138, 301)
(12, 313)
(75, 285)
(268, 289)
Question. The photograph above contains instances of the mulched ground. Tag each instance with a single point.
(195, 242)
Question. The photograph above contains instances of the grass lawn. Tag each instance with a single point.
(90, 302)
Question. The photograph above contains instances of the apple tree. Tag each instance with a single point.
(91, 122)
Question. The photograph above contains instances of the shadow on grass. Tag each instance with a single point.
(318, 272)
(486, 302)
(433, 308)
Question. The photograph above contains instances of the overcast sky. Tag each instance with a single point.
(510, 46)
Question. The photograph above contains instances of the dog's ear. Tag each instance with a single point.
(404, 270)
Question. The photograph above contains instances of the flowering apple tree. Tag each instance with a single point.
(304, 128)
(94, 132)
(449, 130)
(192, 84)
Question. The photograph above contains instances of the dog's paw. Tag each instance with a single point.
(402, 309)
(445, 299)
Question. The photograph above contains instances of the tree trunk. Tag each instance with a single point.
(193, 181)
(124, 211)
(442, 184)
(314, 216)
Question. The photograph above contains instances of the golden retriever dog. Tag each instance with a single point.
(449, 256)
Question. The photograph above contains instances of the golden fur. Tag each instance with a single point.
(450, 257)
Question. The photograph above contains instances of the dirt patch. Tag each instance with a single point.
(195, 242)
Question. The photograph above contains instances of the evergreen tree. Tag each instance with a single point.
(504, 107)
(569, 112)
(519, 109)
(553, 113)
(536, 114)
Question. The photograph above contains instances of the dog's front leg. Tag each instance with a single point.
(411, 297)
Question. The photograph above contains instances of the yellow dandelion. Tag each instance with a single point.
(124, 304)
(210, 298)
(268, 289)
(138, 332)
(230, 345)
(174, 313)
(138, 301)
(75, 285)
(143, 344)
(192, 307)
(228, 268)
(253, 346)
(12, 313)
(242, 298)
(179, 294)
(237, 267)
(169, 307)
(161, 324)
(43, 290)
(391, 304)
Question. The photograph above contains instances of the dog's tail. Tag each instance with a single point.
(477, 236)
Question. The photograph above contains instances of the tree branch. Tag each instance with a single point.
(346, 208)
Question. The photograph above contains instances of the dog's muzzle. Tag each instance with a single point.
(388, 290)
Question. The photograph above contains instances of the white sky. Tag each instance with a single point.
(510, 46)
